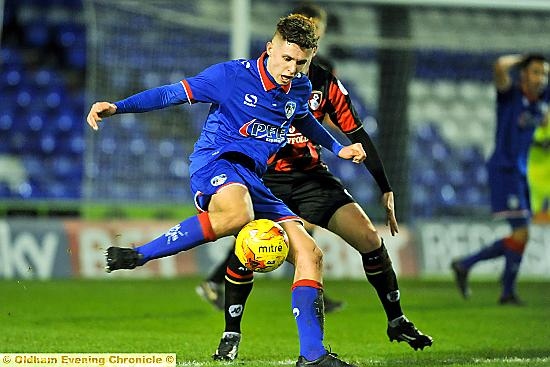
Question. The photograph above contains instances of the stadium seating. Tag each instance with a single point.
(42, 109)
(41, 118)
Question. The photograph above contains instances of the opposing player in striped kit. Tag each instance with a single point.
(298, 176)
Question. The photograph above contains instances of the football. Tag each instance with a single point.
(262, 245)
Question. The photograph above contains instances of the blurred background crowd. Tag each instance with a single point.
(420, 76)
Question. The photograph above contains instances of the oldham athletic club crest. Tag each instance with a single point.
(290, 107)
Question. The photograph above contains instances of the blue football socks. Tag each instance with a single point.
(489, 252)
(190, 233)
(307, 307)
(511, 268)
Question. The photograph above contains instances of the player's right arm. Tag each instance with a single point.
(148, 100)
(98, 111)
(204, 87)
(502, 67)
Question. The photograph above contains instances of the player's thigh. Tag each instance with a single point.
(352, 224)
(318, 198)
(231, 198)
(221, 190)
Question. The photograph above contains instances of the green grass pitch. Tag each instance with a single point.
(166, 316)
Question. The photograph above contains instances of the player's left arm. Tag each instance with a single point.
(341, 112)
(311, 128)
(376, 168)
(343, 115)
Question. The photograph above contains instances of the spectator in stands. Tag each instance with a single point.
(298, 176)
(538, 174)
(521, 106)
(254, 103)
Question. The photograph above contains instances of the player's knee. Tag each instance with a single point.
(523, 237)
(372, 240)
(515, 244)
(317, 257)
(366, 241)
(310, 256)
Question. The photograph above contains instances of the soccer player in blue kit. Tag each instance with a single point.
(254, 103)
(521, 107)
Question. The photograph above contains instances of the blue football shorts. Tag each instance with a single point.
(221, 173)
(510, 198)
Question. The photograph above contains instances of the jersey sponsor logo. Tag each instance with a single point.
(290, 108)
(315, 100)
(295, 137)
(250, 100)
(218, 180)
(262, 131)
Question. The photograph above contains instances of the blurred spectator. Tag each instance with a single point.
(539, 173)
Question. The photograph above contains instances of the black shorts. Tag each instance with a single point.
(314, 195)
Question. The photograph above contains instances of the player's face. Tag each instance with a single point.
(535, 77)
(286, 59)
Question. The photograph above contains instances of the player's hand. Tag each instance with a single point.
(98, 111)
(387, 200)
(354, 152)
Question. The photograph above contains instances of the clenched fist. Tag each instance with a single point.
(354, 152)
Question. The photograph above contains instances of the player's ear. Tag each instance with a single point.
(269, 47)
(314, 52)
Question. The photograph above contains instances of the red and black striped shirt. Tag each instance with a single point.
(328, 97)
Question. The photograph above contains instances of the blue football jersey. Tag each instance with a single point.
(517, 118)
(250, 113)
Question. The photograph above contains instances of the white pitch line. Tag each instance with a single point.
(513, 360)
